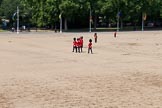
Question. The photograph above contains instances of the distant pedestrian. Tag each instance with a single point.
(90, 46)
(114, 34)
(95, 37)
(13, 29)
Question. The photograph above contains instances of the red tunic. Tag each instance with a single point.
(81, 42)
(78, 43)
(90, 45)
(74, 43)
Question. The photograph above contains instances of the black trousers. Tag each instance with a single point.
(95, 40)
(81, 49)
(75, 49)
(90, 49)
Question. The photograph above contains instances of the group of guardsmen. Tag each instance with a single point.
(78, 44)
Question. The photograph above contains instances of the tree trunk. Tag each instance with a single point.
(95, 22)
(121, 26)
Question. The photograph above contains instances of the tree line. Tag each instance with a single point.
(78, 13)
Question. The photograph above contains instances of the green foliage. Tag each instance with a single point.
(8, 7)
(46, 12)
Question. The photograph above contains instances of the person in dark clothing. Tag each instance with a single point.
(95, 37)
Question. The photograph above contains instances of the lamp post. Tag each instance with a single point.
(118, 18)
(142, 24)
(17, 20)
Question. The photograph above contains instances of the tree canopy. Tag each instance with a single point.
(76, 13)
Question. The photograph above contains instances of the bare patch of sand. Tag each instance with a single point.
(39, 70)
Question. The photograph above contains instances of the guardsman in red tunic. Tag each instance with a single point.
(78, 45)
(74, 45)
(90, 46)
(81, 43)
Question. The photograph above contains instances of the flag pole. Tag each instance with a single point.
(60, 16)
(142, 21)
(118, 22)
(90, 20)
(17, 20)
(118, 18)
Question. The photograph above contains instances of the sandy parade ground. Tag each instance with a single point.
(39, 70)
